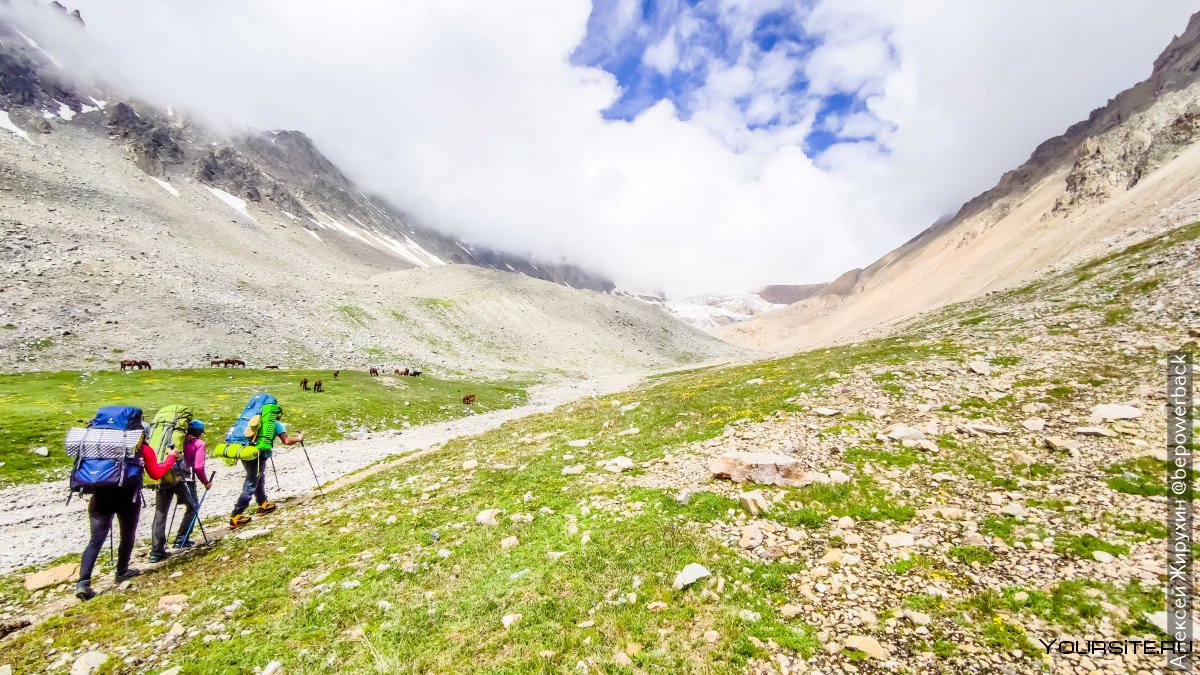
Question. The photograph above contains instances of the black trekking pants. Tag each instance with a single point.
(185, 492)
(255, 484)
(125, 503)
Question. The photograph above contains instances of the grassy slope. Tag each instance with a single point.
(37, 408)
(444, 615)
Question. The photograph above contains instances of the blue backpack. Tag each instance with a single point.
(245, 430)
(112, 455)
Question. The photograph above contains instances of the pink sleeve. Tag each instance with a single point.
(198, 461)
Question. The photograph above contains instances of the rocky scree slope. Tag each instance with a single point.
(1119, 176)
(942, 498)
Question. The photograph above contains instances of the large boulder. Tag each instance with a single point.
(60, 574)
(764, 468)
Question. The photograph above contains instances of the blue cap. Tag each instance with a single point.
(196, 425)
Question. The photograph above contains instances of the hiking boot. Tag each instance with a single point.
(266, 507)
(184, 544)
(122, 577)
(238, 521)
(83, 590)
(159, 556)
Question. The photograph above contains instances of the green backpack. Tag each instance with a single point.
(169, 429)
(263, 426)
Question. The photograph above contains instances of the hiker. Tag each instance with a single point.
(183, 491)
(256, 484)
(123, 501)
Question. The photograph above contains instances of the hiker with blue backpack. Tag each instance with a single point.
(111, 457)
(249, 441)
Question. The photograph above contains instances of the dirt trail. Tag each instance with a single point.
(37, 527)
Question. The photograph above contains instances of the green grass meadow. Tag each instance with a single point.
(38, 408)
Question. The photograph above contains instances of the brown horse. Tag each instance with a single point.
(335, 374)
(469, 399)
(374, 372)
(216, 362)
(304, 383)
(397, 371)
(144, 364)
(318, 386)
(272, 367)
(129, 363)
(237, 362)
(403, 372)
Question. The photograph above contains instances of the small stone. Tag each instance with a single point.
(845, 523)
(711, 636)
(470, 464)
(41, 452)
(790, 611)
(898, 540)
(1015, 510)
(764, 468)
(509, 619)
(838, 477)
(250, 534)
(51, 577)
(919, 618)
(1020, 457)
(690, 574)
(572, 469)
(1095, 431)
(1034, 424)
(618, 464)
(867, 645)
(487, 517)
(752, 537)
(1103, 557)
(273, 668)
(89, 663)
(980, 367)
(826, 412)
(656, 606)
(1035, 408)
(1059, 443)
(509, 542)
(581, 443)
(174, 604)
(622, 659)
(755, 502)
(1112, 411)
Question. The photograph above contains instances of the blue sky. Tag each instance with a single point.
(622, 36)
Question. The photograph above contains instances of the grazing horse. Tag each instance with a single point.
(304, 383)
(128, 363)
(335, 374)
(404, 372)
(272, 367)
(414, 372)
(237, 362)
(216, 362)
(144, 364)
(318, 386)
(469, 399)
(397, 371)
(374, 372)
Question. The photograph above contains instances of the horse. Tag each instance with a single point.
(144, 364)
(304, 383)
(216, 362)
(404, 372)
(335, 374)
(129, 363)
(415, 373)
(469, 399)
(237, 362)
(272, 367)
(374, 372)
(318, 386)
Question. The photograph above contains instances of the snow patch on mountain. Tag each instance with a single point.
(714, 309)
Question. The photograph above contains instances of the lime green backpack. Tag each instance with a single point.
(263, 425)
(169, 429)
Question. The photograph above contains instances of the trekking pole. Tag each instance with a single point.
(310, 466)
(110, 547)
(276, 473)
(171, 526)
(196, 516)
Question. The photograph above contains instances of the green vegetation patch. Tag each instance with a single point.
(38, 408)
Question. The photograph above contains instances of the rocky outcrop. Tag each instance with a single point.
(786, 294)
(151, 145)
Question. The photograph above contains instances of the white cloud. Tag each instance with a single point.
(470, 115)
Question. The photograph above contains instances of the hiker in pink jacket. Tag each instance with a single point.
(184, 493)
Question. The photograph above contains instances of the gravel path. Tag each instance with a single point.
(37, 527)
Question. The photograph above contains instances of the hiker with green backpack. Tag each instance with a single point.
(170, 430)
(249, 441)
(191, 468)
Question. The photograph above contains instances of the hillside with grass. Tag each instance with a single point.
(986, 477)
